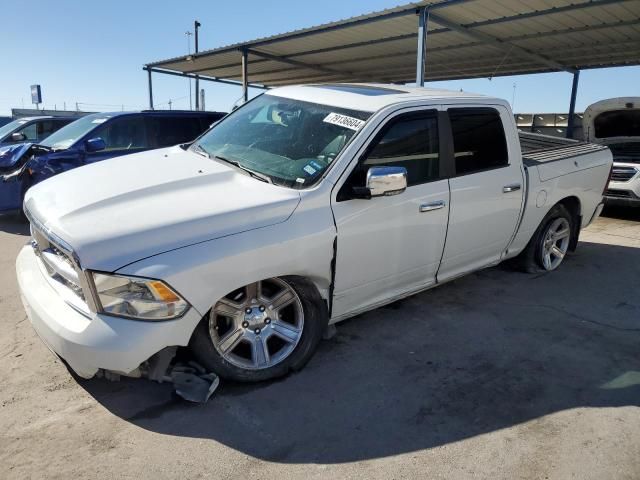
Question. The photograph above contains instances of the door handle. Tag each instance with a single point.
(429, 207)
(511, 188)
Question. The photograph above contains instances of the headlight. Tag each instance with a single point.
(138, 298)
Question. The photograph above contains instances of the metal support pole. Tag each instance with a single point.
(196, 25)
(237, 83)
(245, 77)
(150, 89)
(572, 104)
(423, 24)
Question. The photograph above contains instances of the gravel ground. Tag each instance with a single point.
(496, 375)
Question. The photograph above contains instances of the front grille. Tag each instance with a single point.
(623, 174)
(619, 193)
(60, 264)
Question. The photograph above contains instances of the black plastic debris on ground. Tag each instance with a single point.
(193, 383)
(190, 380)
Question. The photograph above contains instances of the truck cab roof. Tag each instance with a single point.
(372, 97)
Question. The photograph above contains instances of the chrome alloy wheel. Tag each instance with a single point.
(555, 243)
(257, 326)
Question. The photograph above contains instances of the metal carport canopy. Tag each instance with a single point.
(463, 38)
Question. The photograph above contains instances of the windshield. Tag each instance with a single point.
(10, 127)
(289, 141)
(70, 134)
(617, 123)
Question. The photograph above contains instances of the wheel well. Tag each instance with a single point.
(320, 284)
(572, 204)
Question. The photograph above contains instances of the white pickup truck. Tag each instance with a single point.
(305, 206)
(615, 122)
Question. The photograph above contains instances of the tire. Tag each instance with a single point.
(231, 341)
(535, 257)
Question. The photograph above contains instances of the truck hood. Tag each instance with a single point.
(124, 209)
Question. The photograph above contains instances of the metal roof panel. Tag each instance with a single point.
(479, 38)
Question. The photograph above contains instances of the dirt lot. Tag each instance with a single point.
(496, 375)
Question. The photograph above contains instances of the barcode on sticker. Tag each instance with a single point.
(344, 121)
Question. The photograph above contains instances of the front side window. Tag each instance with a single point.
(30, 132)
(478, 139)
(123, 133)
(410, 141)
(290, 141)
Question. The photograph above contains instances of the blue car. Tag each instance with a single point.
(91, 139)
(32, 129)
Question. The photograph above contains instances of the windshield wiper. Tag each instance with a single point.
(259, 176)
(37, 146)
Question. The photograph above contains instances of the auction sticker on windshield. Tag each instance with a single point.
(344, 121)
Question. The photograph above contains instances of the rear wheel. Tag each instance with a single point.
(555, 243)
(550, 243)
(261, 331)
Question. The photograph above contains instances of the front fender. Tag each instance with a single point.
(45, 166)
(11, 156)
(205, 272)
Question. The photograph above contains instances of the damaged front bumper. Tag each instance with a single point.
(89, 344)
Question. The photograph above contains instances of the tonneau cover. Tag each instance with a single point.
(546, 153)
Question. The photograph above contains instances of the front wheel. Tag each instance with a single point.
(261, 331)
(550, 243)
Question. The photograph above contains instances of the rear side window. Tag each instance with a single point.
(409, 141)
(47, 127)
(478, 139)
(169, 131)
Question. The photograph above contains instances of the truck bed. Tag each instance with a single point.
(537, 148)
(546, 153)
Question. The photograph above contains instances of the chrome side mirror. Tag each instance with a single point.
(385, 181)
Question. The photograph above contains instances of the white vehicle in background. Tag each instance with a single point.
(304, 207)
(615, 122)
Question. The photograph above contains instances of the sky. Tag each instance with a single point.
(93, 53)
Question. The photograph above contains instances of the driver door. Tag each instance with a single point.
(391, 245)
